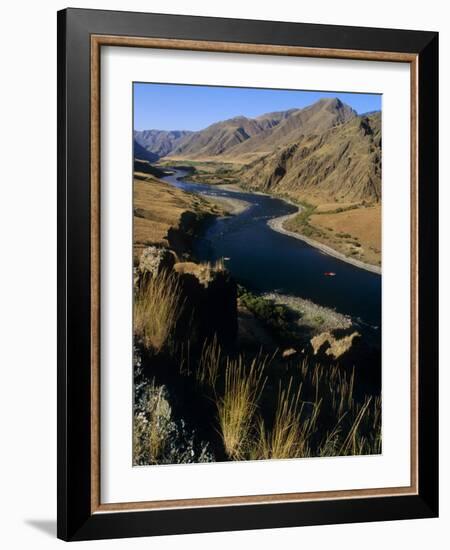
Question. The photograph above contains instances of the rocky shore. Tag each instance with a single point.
(277, 224)
(312, 315)
(229, 205)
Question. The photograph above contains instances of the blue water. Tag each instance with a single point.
(264, 260)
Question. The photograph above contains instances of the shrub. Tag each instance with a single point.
(276, 316)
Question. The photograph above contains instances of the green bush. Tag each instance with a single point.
(276, 316)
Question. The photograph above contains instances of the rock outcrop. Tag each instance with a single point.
(210, 303)
(154, 260)
(208, 295)
(159, 436)
(331, 345)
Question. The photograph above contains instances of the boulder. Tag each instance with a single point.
(331, 345)
(153, 260)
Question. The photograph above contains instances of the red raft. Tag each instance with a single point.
(329, 274)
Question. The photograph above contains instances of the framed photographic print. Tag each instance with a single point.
(247, 274)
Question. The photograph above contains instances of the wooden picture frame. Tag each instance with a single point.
(81, 35)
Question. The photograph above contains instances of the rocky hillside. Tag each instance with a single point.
(222, 137)
(341, 164)
(325, 152)
(312, 120)
(139, 152)
(246, 137)
(157, 142)
(242, 136)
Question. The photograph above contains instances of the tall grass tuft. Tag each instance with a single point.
(351, 427)
(157, 308)
(237, 407)
(292, 428)
(285, 440)
(209, 363)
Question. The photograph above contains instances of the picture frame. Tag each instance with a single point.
(81, 36)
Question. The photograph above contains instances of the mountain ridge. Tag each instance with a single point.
(324, 150)
(242, 135)
(159, 142)
(341, 164)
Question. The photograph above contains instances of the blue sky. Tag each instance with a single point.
(181, 107)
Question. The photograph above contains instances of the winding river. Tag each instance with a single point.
(264, 260)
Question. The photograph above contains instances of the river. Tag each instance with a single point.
(264, 260)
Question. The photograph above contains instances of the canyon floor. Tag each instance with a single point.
(351, 229)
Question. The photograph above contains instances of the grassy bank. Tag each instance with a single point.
(209, 172)
(354, 231)
(167, 216)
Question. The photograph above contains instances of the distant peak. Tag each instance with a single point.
(275, 114)
(237, 119)
(332, 102)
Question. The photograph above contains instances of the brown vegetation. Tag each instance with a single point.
(237, 406)
(157, 308)
(330, 159)
(363, 225)
(315, 414)
(288, 437)
(161, 211)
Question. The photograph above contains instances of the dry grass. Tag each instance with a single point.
(300, 424)
(204, 272)
(158, 207)
(352, 444)
(209, 364)
(330, 206)
(236, 408)
(288, 436)
(157, 307)
(330, 383)
(208, 164)
(356, 428)
(364, 226)
(314, 414)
